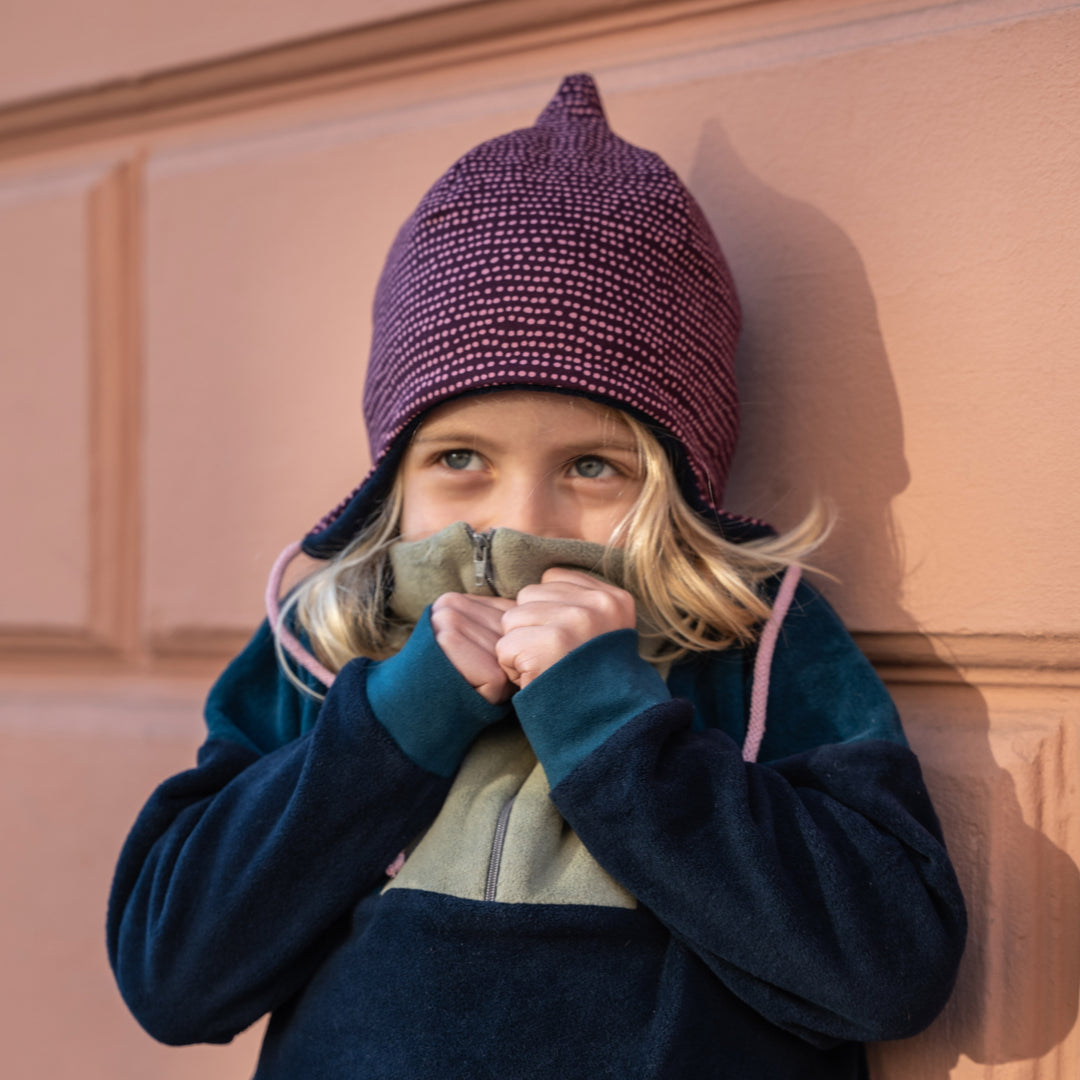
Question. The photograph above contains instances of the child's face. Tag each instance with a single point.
(542, 463)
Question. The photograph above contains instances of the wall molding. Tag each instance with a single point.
(977, 659)
(452, 35)
(990, 660)
(474, 31)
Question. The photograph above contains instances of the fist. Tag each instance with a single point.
(550, 620)
(467, 629)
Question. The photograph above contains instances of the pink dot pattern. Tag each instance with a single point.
(560, 257)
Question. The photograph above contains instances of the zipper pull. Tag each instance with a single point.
(481, 542)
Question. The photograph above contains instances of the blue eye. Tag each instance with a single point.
(458, 459)
(590, 468)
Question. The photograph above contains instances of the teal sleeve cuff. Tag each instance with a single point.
(580, 702)
(425, 703)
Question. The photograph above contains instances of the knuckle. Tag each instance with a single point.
(606, 603)
(618, 605)
(506, 651)
(449, 637)
(445, 618)
(450, 601)
(576, 620)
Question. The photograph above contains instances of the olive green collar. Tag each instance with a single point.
(499, 562)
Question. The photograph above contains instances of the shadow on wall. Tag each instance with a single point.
(821, 415)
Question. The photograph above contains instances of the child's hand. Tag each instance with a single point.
(550, 620)
(467, 629)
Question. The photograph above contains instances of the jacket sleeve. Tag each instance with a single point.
(816, 886)
(239, 874)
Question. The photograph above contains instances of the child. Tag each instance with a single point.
(556, 769)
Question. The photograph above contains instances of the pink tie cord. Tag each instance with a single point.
(273, 611)
(759, 695)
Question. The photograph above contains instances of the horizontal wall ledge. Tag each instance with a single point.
(379, 49)
(467, 33)
(20, 644)
(978, 659)
(901, 658)
(998, 659)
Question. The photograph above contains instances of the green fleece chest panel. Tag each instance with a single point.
(499, 837)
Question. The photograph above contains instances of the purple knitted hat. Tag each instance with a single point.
(558, 257)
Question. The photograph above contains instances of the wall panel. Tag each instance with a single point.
(1001, 763)
(70, 407)
(45, 423)
(253, 406)
(77, 764)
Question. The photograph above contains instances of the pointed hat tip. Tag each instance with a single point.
(576, 99)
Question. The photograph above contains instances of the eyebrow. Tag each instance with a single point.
(473, 439)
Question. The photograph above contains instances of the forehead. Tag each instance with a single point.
(529, 412)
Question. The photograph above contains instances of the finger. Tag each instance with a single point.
(470, 602)
(482, 610)
(481, 632)
(497, 603)
(561, 591)
(476, 664)
(577, 577)
(593, 610)
(575, 618)
(529, 651)
(449, 622)
(560, 582)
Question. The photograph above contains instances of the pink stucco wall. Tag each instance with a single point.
(53, 46)
(184, 299)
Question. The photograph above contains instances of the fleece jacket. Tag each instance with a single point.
(595, 883)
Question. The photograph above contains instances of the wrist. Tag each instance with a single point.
(426, 705)
(578, 703)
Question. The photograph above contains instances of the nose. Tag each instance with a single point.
(528, 504)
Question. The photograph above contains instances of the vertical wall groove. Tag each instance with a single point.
(114, 207)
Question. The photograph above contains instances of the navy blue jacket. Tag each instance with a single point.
(597, 884)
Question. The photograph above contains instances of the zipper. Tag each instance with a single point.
(497, 844)
(481, 559)
(482, 575)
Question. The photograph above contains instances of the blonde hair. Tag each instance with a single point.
(699, 590)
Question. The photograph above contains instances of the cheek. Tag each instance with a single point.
(415, 511)
(603, 522)
(597, 524)
(425, 509)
